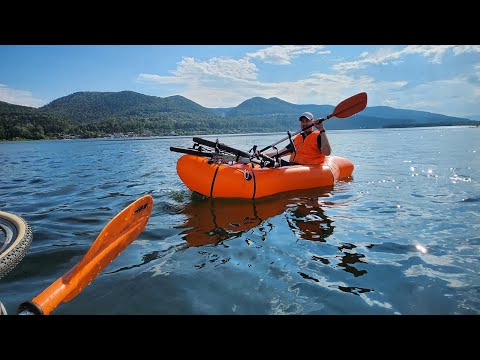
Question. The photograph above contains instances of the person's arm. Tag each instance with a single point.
(275, 152)
(322, 140)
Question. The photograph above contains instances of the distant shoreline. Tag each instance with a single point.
(236, 134)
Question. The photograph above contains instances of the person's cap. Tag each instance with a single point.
(308, 115)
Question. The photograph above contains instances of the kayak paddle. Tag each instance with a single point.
(346, 108)
(113, 239)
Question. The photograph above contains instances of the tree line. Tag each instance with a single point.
(25, 124)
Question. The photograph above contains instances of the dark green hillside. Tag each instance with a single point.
(127, 113)
(23, 122)
(262, 106)
(185, 124)
(90, 107)
(221, 111)
(370, 117)
(259, 106)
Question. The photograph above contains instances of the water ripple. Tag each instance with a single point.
(399, 237)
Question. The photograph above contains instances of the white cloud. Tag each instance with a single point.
(386, 56)
(216, 87)
(433, 52)
(241, 69)
(191, 72)
(466, 49)
(221, 82)
(152, 78)
(283, 54)
(19, 97)
(381, 56)
(212, 83)
(224, 82)
(476, 71)
(318, 88)
(389, 102)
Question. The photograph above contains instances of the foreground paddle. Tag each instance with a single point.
(346, 108)
(115, 237)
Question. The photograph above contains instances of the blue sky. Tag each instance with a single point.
(443, 79)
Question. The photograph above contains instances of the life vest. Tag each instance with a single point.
(308, 152)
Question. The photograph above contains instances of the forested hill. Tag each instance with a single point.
(90, 107)
(25, 122)
(94, 107)
(94, 114)
(370, 117)
(259, 106)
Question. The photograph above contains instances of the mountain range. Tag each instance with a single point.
(90, 114)
(472, 117)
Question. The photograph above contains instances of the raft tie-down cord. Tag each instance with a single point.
(213, 180)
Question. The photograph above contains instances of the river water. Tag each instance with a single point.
(400, 237)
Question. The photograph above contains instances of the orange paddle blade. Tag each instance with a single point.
(350, 106)
(115, 237)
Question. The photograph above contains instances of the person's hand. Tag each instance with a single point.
(319, 125)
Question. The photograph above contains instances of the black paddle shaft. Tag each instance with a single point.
(316, 122)
(236, 152)
(346, 108)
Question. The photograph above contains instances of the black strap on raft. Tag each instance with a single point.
(254, 184)
(213, 180)
(31, 307)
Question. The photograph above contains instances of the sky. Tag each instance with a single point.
(443, 79)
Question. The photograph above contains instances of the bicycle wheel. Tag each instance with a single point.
(15, 239)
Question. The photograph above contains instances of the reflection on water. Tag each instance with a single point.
(211, 221)
(350, 258)
(308, 221)
(214, 221)
(401, 238)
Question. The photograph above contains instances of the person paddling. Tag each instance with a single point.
(311, 147)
